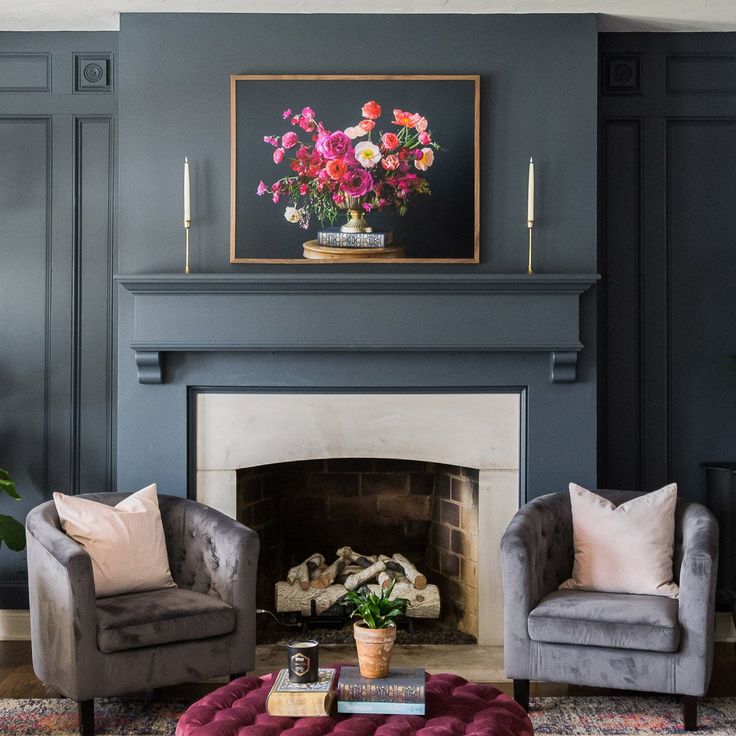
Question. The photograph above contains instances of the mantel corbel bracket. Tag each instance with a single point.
(563, 366)
(150, 366)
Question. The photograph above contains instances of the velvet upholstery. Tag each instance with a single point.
(617, 620)
(454, 706)
(159, 617)
(209, 554)
(537, 555)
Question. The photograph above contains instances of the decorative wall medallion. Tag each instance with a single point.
(621, 75)
(93, 72)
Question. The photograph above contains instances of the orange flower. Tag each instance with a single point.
(371, 110)
(408, 119)
(390, 141)
(336, 168)
(367, 125)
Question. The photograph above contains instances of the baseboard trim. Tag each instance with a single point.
(15, 625)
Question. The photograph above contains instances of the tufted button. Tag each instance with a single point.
(455, 707)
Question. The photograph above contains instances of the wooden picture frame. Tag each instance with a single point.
(247, 134)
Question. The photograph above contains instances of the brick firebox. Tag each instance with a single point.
(426, 511)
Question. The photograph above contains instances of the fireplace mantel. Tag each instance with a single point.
(369, 312)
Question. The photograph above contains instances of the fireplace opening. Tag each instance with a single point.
(422, 513)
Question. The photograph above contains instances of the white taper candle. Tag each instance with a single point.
(530, 200)
(187, 208)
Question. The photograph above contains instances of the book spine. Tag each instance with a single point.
(411, 709)
(353, 240)
(371, 693)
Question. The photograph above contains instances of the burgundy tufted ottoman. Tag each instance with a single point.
(454, 707)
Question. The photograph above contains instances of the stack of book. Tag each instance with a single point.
(401, 692)
(335, 238)
(297, 699)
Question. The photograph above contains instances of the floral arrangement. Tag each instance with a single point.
(351, 168)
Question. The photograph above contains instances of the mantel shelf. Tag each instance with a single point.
(265, 312)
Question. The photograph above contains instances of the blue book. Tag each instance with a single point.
(402, 692)
(333, 237)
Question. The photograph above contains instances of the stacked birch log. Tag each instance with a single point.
(326, 585)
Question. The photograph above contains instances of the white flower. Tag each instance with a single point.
(426, 160)
(355, 132)
(367, 154)
(292, 214)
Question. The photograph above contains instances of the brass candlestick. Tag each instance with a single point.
(187, 225)
(530, 227)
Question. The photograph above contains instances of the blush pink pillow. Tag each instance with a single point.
(125, 542)
(626, 548)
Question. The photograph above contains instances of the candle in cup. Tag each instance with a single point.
(303, 660)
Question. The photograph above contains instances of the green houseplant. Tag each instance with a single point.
(12, 531)
(375, 630)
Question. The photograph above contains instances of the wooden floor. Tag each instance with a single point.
(18, 681)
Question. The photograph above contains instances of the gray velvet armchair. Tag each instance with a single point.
(87, 647)
(612, 640)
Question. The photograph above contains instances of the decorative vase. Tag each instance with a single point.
(356, 216)
(374, 650)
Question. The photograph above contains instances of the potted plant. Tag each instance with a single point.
(12, 531)
(375, 631)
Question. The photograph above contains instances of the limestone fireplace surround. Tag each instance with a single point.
(480, 430)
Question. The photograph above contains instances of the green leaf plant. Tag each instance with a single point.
(375, 611)
(12, 531)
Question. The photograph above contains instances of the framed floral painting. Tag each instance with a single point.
(367, 168)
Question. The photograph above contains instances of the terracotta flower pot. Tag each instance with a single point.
(374, 650)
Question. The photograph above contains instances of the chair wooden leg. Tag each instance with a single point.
(86, 717)
(521, 693)
(236, 675)
(690, 712)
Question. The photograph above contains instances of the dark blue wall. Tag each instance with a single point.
(668, 156)
(57, 148)
(538, 97)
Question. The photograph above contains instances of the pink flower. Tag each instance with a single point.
(271, 139)
(337, 198)
(366, 125)
(420, 123)
(371, 110)
(357, 183)
(355, 131)
(275, 198)
(289, 140)
(367, 207)
(278, 155)
(286, 113)
(308, 113)
(333, 145)
(262, 189)
(303, 189)
(425, 138)
(390, 162)
(390, 141)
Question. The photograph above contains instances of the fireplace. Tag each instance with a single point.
(425, 513)
(428, 473)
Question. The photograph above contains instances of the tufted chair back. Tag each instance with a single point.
(192, 566)
(554, 547)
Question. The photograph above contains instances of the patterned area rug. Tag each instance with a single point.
(626, 715)
(113, 717)
(571, 716)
